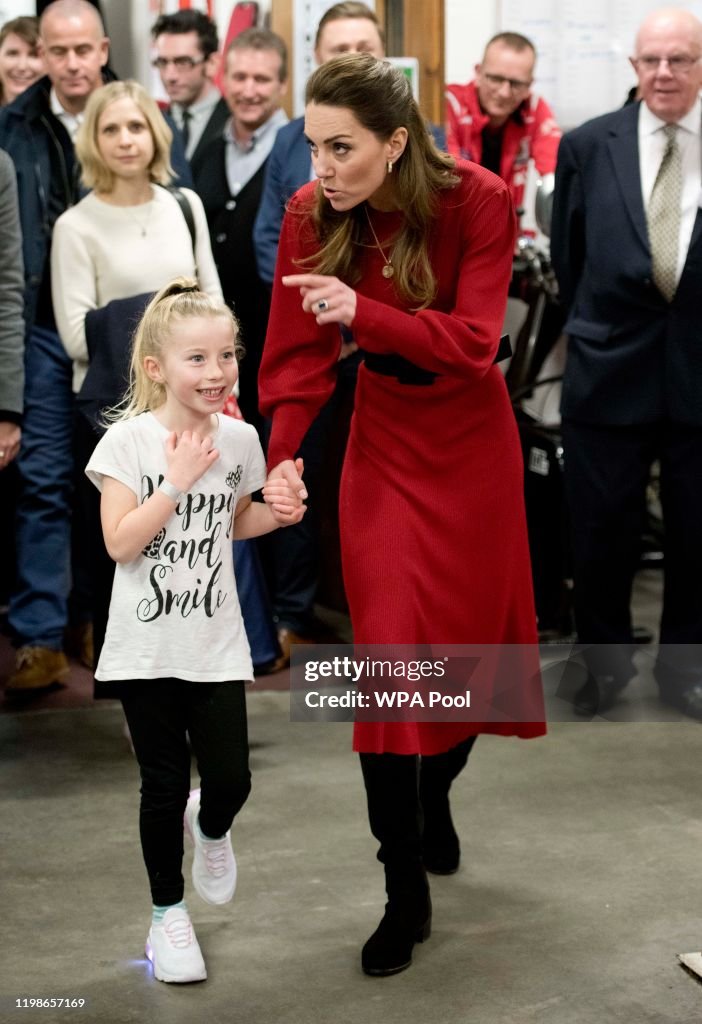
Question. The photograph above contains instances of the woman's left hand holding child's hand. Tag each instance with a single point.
(285, 504)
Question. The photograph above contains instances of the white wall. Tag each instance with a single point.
(468, 26)
(15, 9)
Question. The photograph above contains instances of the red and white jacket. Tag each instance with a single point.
(531, 133)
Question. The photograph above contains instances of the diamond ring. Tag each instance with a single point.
(322, 306)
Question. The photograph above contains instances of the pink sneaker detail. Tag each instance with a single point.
(214, 864)
(174, 950)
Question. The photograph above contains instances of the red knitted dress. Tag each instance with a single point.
(434, 543)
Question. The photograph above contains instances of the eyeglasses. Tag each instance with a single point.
(182, 63)
(680, 64)
(499, 80)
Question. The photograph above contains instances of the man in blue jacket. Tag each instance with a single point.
(345, 28)
(37, 131)
(349, 27)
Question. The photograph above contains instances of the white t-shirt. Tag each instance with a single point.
(174, 610)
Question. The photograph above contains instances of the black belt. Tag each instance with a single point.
(409, 373)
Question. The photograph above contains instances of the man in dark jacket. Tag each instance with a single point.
(37, 131)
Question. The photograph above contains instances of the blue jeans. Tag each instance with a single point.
(253, 599)
(39, 605)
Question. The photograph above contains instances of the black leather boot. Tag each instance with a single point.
(441, 849)
(407, 920)
(394, 814)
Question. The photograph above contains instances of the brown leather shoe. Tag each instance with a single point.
(37, 668)
(286, 638)
(79, 643)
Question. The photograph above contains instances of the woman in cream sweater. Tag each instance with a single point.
(128, 236)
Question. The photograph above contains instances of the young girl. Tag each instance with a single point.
(176, 480)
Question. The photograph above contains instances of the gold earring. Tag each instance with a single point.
(389, 166)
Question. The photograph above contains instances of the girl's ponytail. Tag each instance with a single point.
(181, 299)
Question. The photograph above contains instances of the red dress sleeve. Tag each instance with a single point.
(459, 335)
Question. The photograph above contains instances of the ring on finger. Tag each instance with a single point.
(322, 306)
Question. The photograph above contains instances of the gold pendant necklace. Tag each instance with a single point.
(388, 270)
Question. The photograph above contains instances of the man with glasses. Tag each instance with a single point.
(497, 122)
(187, 59)
(626, 244)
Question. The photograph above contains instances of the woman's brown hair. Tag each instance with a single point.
(27, 28)
(380, 98)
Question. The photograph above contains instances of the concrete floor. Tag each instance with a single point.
(579, 882)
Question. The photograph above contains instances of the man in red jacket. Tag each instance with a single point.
(497, 122)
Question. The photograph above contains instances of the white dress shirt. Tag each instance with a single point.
(243, 161)
(71, 122)
(652, 143)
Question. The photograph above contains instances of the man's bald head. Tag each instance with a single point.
(74, 46)
(668, 19)
(667, 62)
(72, 9)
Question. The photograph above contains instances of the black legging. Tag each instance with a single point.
(161, 714)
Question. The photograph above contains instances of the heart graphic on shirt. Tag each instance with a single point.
(153, 548)
(233, 479)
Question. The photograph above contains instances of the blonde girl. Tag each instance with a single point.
(176, 479)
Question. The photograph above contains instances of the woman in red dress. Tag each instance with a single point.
(412, 252)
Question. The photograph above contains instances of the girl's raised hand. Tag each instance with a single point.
(189, 457)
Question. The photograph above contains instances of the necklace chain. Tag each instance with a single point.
(143, 225)
(388, 270)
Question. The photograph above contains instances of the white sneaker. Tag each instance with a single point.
(173, 948)
(214, 864)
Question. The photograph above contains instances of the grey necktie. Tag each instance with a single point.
(663, 216)
(185, 130)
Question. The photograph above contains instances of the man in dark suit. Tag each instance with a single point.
(627, 247)
(187, 60)
(228, 175)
